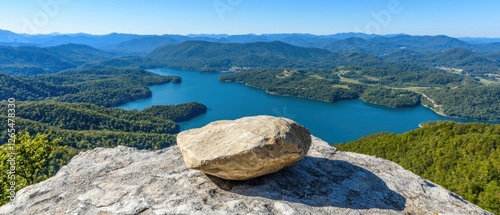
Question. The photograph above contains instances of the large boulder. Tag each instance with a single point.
(244, 148)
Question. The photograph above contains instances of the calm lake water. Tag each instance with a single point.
(333, 122)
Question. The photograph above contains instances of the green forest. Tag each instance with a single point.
(108, 87)
(176, 113)
(391, 97)
(84, 122)
(298, 83)
(453, 94)
(464, 158)
(32, 162)
(482, 102)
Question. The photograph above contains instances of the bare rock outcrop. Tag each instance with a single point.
(244, 148)
(124, 180)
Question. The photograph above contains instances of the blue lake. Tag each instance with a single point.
(333, 122)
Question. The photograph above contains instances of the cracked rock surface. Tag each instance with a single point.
(124, 180)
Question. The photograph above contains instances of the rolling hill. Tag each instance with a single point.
(30, 60)
(471, 62)
(105, 87)
(382, 45)
(206, 56)
(142, 45)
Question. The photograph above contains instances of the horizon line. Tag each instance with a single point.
(244, 34)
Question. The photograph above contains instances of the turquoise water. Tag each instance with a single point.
(333, 122)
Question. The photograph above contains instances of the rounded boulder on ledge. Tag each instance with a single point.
(244, 148)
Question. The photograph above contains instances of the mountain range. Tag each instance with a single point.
(216, 53)
(342, 42)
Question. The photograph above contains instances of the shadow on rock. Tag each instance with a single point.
(320, 182)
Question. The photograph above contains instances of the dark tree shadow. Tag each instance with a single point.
(320, 182)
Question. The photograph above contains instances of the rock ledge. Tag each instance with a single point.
(123, 180)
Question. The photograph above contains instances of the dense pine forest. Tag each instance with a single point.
(464, 158)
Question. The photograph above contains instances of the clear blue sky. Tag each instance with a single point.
(459, 18)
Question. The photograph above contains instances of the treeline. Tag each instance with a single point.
(176, 113)
(108, 87)
(86, 126)
(477, 102)
(404, 75)
(80, 140)
(30, 90)
(81, 116)
(391, 97)
(37, 117)
(296, 83)
(464, 158)
(324, 85)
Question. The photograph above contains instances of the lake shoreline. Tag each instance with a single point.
(439, 112)
(339, 122)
